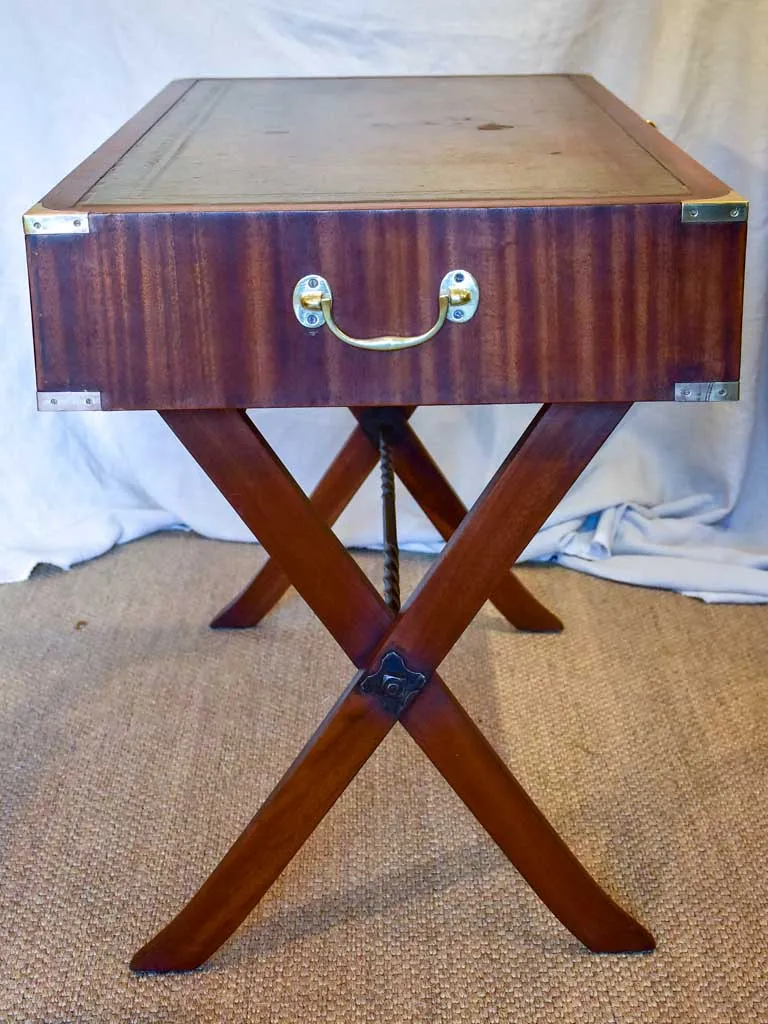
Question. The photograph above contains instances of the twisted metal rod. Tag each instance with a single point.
(389, 519)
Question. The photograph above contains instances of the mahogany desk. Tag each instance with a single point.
(247, 243)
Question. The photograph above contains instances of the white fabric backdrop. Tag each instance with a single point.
(676, 499)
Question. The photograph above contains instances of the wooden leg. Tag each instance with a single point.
(470, 765)
(319, 775)
(560, 442)
(421, 475)
(423, 478)
(338, 486)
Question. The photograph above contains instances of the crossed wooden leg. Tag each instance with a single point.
(549, 457)
(423, 478)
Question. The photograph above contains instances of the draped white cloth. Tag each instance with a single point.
(676, 499)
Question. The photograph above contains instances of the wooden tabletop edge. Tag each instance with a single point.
(701, 183)
(65, 199)
(32, 215)
(79, 181)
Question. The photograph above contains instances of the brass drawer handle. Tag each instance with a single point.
(456, 301)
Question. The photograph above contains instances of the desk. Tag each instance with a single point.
(254, 243)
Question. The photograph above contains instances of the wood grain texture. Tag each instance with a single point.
(578, 304)
(331, 758)
(694, 180)
(476, 773)
(339, 484)
(69, 191)
(701, 182)
(427, 485)
(556, 447)
(291, 142)
(558, 444)
(567, 213)
(228, 446)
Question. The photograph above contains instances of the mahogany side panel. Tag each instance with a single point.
(604, 303)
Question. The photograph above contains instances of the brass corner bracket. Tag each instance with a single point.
(42, 221)
(707, 391)
(728, 209)
(69, 401)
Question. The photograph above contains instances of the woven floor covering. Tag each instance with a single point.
(135, 744)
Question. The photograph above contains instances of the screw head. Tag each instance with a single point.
(76, 222)
(36, 225)
(686, 392)
(458, 277)
(54, 401)
(721, 391)
(311, 318)
(312, 282)
(735, 212)
(89, 401)
(458, 314)
(393, 688)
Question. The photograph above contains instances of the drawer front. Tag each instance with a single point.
(195, 309)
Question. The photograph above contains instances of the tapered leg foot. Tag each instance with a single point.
(333, 756)
(255, 601)
(473, 769)
(521, 609)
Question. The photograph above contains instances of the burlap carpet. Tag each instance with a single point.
(135, 744)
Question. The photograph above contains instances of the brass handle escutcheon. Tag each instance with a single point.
(457, 302)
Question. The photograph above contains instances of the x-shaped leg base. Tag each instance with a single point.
(558, 444)
(427, 485)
